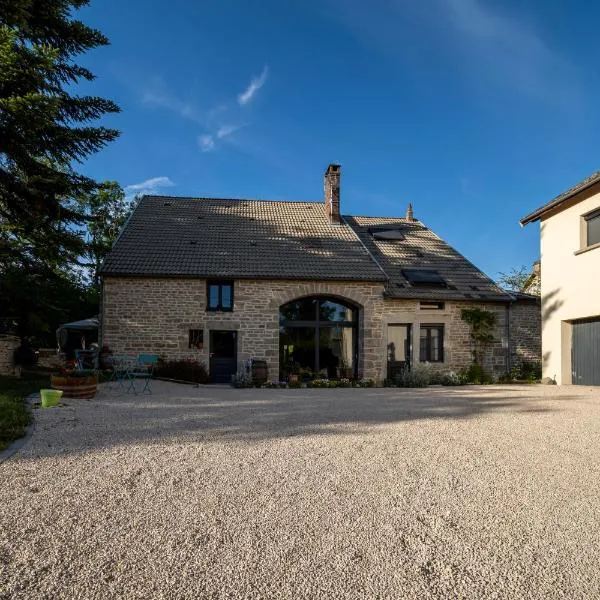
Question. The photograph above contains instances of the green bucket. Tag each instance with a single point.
(50, 397)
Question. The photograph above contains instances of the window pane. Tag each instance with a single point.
(434, 352)
(398, 343)
(213, 296)
(593, 230)
(226, 296)
(336, 352)
(423, 347)
(333, 311)
(304, 309)
(297, 352)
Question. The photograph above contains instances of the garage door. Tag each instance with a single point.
(585, 355)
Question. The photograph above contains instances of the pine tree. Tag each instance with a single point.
(45, 129)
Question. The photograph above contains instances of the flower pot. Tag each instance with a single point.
(50, 397)
(75, 386)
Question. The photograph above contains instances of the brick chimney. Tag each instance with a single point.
(409, 213)
(332, 192)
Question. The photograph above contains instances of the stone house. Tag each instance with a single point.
(300, 285)
(570, 283)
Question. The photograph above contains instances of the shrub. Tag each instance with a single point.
(345, 382)
(527, 371)
(416, 377)
(476, 374)
(318, 383)
(294, 384)
(453, 378)
(366, 383)
(182, 370)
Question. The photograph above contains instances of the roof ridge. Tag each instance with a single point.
(223, 199)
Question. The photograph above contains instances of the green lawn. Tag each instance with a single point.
(14, 414)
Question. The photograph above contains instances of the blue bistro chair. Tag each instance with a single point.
(144, 370)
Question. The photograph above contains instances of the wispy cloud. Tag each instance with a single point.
(206, 142)
(150, 186)
(255, 84)
(165, 100)
(227, 130)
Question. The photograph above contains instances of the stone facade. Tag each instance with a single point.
(526, 331)
(155, 315)
(8, 345)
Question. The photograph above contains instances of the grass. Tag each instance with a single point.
(14, 413)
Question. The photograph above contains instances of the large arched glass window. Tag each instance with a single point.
(318, 338)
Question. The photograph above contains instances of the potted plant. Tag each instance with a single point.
(75, 383)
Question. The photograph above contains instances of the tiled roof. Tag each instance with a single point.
(555, 202)
(253, 239)
(207, 237)
(423, 249)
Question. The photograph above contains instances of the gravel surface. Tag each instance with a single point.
(478, 492)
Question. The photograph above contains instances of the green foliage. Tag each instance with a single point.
(44, 126)
(45, 204)
(454, 379)
(107, 210)
(482, 323)
(318, 383)
(14, 414)
(417, 376)
(520, 280)
(475, 374)
(530, 371)
(182, 370)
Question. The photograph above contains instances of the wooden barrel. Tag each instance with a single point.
(73, 386)
(260, 372)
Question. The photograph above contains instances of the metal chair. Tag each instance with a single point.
(121, 365)
(144, 370)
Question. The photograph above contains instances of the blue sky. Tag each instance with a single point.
(474, 111)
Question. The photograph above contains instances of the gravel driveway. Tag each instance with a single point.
(480, 492)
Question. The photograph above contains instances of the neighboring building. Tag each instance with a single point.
(533, 283)
(301, 286)
(570, 283)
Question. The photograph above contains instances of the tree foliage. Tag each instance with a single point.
(482, 323)
(108, 210)
(44, 127)
(46, 130)
(520, 280)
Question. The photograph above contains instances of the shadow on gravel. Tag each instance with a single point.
(183, 414)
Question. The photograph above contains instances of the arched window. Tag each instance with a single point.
(318, 338)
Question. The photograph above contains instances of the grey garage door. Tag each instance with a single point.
(585, 355)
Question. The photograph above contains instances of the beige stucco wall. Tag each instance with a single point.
(570, 284)
(155, 315)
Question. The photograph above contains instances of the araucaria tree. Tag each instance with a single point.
(44, 126)
(46, 129)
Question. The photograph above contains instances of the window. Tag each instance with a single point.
(432, 305)
(318, 338)
(424, 277)
(432, 343)
(219, 295)
(387, 235)
(592, 225)
(196, 339)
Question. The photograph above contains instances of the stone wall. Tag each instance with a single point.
(526, 331)
(155, 315)
(49, 359)
(8, 345)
